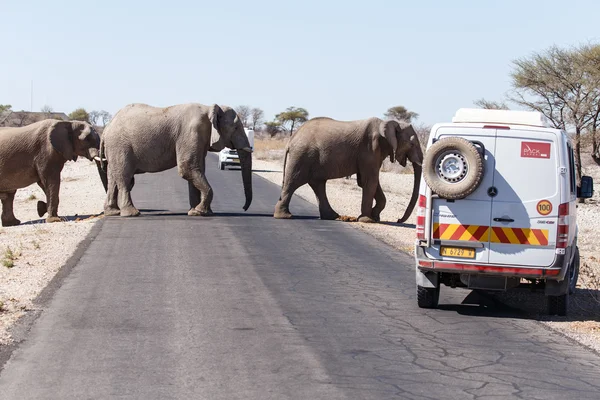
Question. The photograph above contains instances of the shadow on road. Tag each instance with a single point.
(584, 305)
(67, 218)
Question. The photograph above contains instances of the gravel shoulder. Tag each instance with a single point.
(583, 322)
(31, 254)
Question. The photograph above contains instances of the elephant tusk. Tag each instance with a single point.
(248, 149)
(100, 159)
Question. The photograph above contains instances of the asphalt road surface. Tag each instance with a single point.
(243, 306)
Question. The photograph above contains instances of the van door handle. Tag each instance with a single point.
(504, 220)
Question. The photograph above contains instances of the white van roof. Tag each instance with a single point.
(478, 115)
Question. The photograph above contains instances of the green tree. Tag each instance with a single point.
(80, 115)
(5, 107)
(591, 61)
(560, 84)
(292, 117)
(401, 114)
(273, 127)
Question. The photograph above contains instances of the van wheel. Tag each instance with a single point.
(558, 305)
(453, 167)
(574, 271)
(428, 297)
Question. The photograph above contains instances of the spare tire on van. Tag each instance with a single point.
(453, 167)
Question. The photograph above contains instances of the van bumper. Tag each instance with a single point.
(556, 271)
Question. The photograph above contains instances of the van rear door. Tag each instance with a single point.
(524, 213)
(460, 228)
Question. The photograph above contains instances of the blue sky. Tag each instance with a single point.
(343, 59)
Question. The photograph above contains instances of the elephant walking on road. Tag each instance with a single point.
(141, 139)
(37, 153)
(324, 148)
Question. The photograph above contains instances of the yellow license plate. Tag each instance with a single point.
(461, 252)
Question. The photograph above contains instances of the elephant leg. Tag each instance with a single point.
(111, 206)
(379, 203)
(369, 188)
(282, 208)
(325, 209)
(199, 181)
(51, 187)
(125, 204)
(42, 207)
(194, 195)
(8, 216)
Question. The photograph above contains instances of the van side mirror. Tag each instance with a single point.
(586, 190)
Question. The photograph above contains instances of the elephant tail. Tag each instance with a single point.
(287, 150)
(101, 164)
(102, 156)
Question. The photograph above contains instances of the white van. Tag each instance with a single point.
(229, 156)
(497, 207)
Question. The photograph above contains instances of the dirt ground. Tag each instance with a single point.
(583, 322)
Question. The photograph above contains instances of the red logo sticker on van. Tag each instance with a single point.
(535, 150)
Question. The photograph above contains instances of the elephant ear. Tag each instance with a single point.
(216, 118)
(61, 138)
(389, 130)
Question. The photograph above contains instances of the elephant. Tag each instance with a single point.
(146, 139)
(38, 153)
(324, 148)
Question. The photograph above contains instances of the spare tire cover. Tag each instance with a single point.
(453, 167)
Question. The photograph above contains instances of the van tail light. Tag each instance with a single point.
(562, 235)
(421, 217)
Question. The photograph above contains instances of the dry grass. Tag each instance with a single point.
(272, 149)
(268, 144)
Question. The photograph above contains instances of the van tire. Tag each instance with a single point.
(428, 297)
(470, 175)
(573, 271)
(558, 305)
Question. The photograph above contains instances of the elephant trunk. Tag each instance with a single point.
(103, 174)
(246, 164)
(415, 193)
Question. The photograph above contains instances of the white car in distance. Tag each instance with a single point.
(228, 157)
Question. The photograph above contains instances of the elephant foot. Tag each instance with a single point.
(130, 212)
(50, 220)
(376, 217)
(330, 216)
(282, 214)
(42, 208)
(365, 219)
(111, 212)
(194, 212)
(11, 222)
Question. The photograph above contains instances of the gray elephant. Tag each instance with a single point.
(37, 153)
(141, 138)
(324, 148)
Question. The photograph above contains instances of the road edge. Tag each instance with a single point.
(20, 330)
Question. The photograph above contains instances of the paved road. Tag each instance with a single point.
(243, 306)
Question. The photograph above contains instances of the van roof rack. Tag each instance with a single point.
(479, 115)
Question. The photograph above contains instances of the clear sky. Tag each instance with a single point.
(342, 59)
